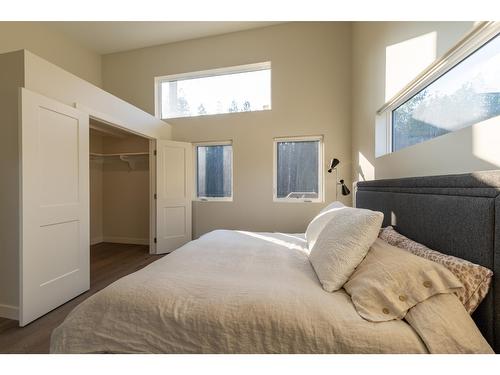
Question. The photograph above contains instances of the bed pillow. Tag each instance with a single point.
(390, 281)
(332, 205)
(319, 221)
(476, 279)
(342, 243)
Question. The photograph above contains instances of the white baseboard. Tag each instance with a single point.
(9, 312)
(126, 240)
(96, 240)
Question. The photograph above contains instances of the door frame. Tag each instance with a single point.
(152, 196)
(109, 120)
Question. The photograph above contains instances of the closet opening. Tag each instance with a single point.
(121, 181)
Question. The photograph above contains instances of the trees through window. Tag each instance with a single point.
(214, 171)
(227, 90)
(466, 94)
(298, 172)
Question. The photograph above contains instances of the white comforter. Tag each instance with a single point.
(229, 292)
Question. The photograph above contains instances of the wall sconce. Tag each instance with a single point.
(333, 167)
(345, 189)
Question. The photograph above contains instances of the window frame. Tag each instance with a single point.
(468, 45)
(265, 65)
(321, 178)
(195, 157)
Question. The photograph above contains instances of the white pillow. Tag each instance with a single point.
(342, 243)
(332, 205)
(318, 223)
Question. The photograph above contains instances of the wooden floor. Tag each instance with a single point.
(108, 262)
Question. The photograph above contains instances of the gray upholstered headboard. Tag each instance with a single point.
(454, 214)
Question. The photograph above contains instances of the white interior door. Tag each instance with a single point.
(173, 194)
(54, 251)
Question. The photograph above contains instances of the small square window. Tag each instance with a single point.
(298, 176)
(214, 171)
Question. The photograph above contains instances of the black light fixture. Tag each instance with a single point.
(333, 166)
(345, 189)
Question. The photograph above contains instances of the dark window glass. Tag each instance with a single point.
(297, 169)
(214, 171)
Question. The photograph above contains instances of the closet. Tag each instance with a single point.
(119, 186)
(46, 173)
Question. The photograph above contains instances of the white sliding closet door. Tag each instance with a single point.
(174, 194)
(54, 250)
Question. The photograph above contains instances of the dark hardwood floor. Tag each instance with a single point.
(108, 262)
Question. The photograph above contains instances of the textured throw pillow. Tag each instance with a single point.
(332, 206)
(319, 221)
(476, 279)
(342, 243)
(390, 281)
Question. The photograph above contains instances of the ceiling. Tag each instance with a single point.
(108, 37)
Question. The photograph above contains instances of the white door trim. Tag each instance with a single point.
(152, 196)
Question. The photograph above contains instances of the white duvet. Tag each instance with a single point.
(236, 292)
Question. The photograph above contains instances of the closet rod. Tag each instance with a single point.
(120, 154)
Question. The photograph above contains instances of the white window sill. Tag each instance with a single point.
(297, 200)
(228, 199)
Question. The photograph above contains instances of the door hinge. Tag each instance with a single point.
(156, 197)
(155, 240)
(154, 152)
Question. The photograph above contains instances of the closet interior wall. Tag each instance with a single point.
(119, 187)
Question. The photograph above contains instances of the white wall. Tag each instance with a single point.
(53, 46)
(380, 50)
(310, 95)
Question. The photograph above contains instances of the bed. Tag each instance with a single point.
(247, 292)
